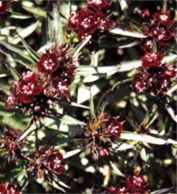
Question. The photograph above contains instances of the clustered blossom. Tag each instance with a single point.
(34, 90)
(46, 161)
(9, 143)
(151, 59)
(153, 77)
(133, 185)
(4, 5)
(7, 188)
(57, 69)
(100, 132)
(160, 27)
(88, 20)
(25, 90)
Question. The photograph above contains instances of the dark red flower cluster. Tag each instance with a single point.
(106, 126)
(161, 28)
(9, 143)
(57, 69)
(100, 132)
(25, 90)
(7, 188)
(154, 77)
(4, 5)
(46, 161)
(112, 127)
(90, 19)
(135, 184)
(151, 59)
(55, 72)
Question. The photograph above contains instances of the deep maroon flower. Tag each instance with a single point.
(112, 190)
(11, 102)
(145, 13)
(151, 59)
(25, 90)
(4, 5)
(7, 188)
(99, 4)
(160, 34)
(114, 127)
(57, 69)
(155, 80)
(117, 190)
(163, 18)
(106, 126)
(136, 184)
(139, 82)
(103, 152)
(48, 63)
(9, 143)
(87, 21)
(47, 161)
(100, 132)
(161, 28)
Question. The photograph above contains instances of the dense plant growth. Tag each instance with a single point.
(88, 96)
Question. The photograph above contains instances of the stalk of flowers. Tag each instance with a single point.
(154, 76)
(35, 91)
(45, 162)
(90, 19)
(99, 134)
(8, 188)
(160, 27)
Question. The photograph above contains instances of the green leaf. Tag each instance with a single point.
(14, 120)
(19, 16)
(84, 93)
(143, 138)
(23, 33)
(116, 170)
(36, 11)
(21, 53)
(92, 106)
(144, 155)
(163, 191)
(119, 31)
(71, 153)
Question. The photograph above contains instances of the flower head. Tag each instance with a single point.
(136, 184)
(7, 188)
(87, 21)
(161, 28)
(57, 69)
(163, 18)
(155, 80)
(160, 34)
(47, 161)
(4, 5)
(9, 143)
(151, 59)
(25, 90)
(100, 132)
